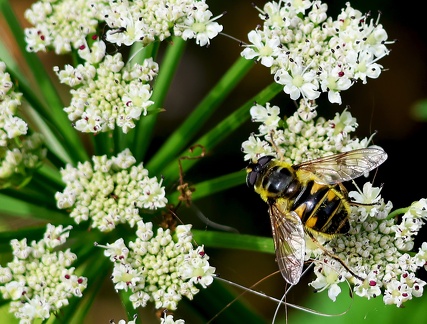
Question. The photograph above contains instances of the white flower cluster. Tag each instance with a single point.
(168, 319)
(165, 319)
(110, 192)
(160, 268)
(122, 321)
(62, 24)
(39, 281)
(378, 249)
(309, 53)
(20, 154)
(154, 20)
(302, 137)
(108, 94)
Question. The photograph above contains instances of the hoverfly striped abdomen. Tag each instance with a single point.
(322, 208)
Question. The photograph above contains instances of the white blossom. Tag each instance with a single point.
(111, 192)
(40, 284)
(167, 268)
(310, 53)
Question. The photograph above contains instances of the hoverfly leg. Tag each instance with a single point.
(335, 257)
(275, 146)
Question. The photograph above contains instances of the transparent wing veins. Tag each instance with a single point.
(289, 242)
(345, 166)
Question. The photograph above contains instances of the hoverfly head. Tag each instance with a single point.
(254, 169)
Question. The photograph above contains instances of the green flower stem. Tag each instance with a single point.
(103, 143)
(51, 175)
(51, 138)
(127, 304)
(397, 212)
(222, 131)
(183, 135)
(42, 185)
(32, 195)
(120, 140)
(144, 128)
(19, 205)
(50, 106)
(138, 53)
(212, 186)
(233, 241)
(30, 233)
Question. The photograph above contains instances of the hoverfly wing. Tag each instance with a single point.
(289, 242)
(345, 166)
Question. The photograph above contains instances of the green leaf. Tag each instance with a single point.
(143, 130)
(212, 186)
(234, 241)
(220, 132)
(185, 133)
(17, 207)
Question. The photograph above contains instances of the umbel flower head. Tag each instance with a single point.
(379, 247)
(109, 192)
(310, 53)
(159, 268)
(62, 25)
(20, 153)
(149, 21)
(108, 94)
(301, 137)
(39, 280)
(65, 25)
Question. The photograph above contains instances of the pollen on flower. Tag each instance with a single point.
(309, 53)
(160, 268)
(111, 192)
(39, 280)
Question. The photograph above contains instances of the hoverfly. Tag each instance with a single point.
(308, 198)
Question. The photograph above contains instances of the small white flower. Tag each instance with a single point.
(254, 148)
(168, 319)
(268, 116)
(327, 278)
(263, 49)
(124, 277)
(201, 26)
(116, 251)
(298, 81)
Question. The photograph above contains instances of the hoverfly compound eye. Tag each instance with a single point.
(262, 161)
(254, 169)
